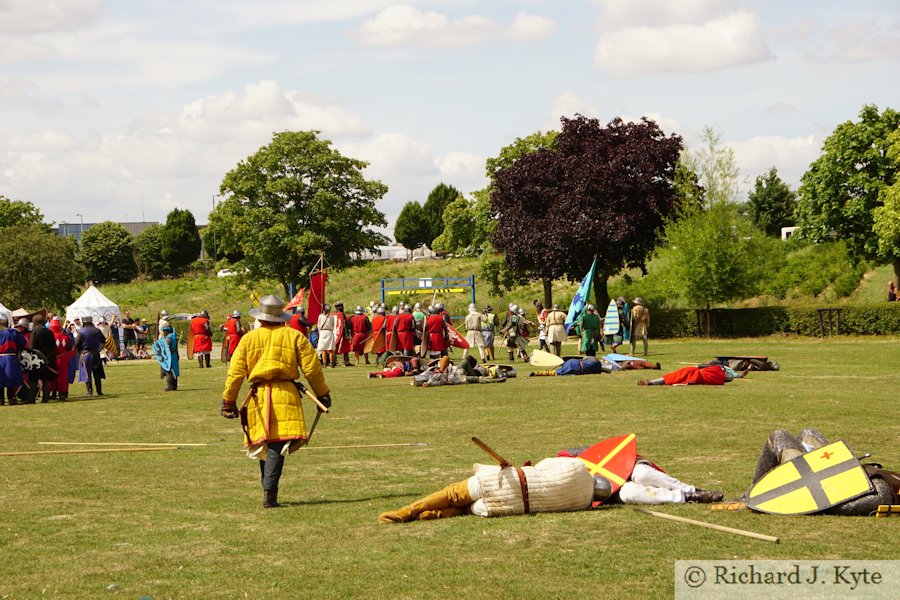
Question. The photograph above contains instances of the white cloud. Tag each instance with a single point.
(621, 14)
(568, 104)
(267, 13)
(791, 156)
(402, 24)
(725, 42)
(28, 16)
(263, 108)
(406, 25)
(861, 42)
(531, 27)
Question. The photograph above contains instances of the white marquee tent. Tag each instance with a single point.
(92, 302)
(4, 310)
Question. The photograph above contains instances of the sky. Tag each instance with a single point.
(126, 109)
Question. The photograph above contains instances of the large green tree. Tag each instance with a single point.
(293, 199)
(180, 241)
(39, 268)
(18, 213)
(148, 252)
(438, 199)
(843, 188)
(413, 228)
(713, 254)
(772, 203)
(603, 191)
(107, 251)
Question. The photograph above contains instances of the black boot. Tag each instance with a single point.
(270, 499)
(200, 361)
(207, 361)
(703, 496)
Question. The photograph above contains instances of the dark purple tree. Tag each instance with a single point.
(602, 191)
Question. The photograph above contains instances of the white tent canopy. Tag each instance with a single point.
(92, 302)
(4, 310)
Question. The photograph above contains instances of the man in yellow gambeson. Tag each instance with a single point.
(271, 359)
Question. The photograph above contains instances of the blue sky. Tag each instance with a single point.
(127, 109)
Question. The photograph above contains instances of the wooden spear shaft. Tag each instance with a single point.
(145, 444)
(362, 446)
(87, 451)
(750, 534)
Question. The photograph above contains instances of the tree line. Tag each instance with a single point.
(623, 193)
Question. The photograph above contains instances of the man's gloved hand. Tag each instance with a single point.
(229, 410)
(326, 401)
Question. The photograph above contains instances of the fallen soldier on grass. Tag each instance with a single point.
(591, 365)
(874, 487)
(557, 484)
(468, 371)
(702, 375)
(399, 368)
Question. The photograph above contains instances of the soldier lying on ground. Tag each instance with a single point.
(557, 484)
(591, 365)
(468, 371)
(702, 375)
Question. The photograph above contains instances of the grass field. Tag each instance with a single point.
(188, 523)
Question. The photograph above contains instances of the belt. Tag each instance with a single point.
(523, 483)
(9, 354)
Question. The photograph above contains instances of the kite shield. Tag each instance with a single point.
(811, 483)
(190, 342)
(612, 459)
(163, 354)
(457, 340)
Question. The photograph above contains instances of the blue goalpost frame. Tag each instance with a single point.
(412, 286)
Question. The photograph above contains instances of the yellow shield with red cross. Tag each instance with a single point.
(811, 483)
(612, 459)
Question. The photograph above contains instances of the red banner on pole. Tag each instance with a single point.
(297, 300)
(316, 294)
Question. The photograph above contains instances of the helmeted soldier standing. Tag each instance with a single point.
(271, 358)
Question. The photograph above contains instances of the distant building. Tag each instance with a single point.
(76, 229)
(396, 253)
(787, 232)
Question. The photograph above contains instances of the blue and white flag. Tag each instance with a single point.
(581, 297)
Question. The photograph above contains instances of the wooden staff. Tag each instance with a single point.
(116, 444)
(490, 452)
(88, 451)
(750, 534)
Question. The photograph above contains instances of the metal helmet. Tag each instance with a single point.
(602, 488)
(513, 308)
(371, 304)
(301, 310)
(326, 308)
(236, 314)
(205, 313)
(164, 313)
(418, 306)
(23, 322)
(556, 307)
(358, 310)
(395, 310)
(379, 310)
(589, 307)
(521, 311)
(439, 306)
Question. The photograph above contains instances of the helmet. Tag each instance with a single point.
(205, 313)
(556, 307)
(358, 310)
(339, 306)
(23, 322)
(326, 308)
(236, 314)
(521, 311)
(602, 488)
(439, 306)
(395, 310)
(418, 305)
(639, 301)
(164, 313)
(301, 310)
(473, 308)
(620, 301)
(432, 310)
(379, 311)
(513, 308)
(488, 308)
(371, 303)
(589, 307)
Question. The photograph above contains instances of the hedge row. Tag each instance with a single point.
(880, 319)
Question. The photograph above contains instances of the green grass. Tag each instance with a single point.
(189, 523)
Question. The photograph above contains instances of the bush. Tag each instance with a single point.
(878, 319)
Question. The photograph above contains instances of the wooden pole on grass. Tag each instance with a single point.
(87, 451)
(144, 444)
(750, 534)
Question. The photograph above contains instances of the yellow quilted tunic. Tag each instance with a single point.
(272, 357)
